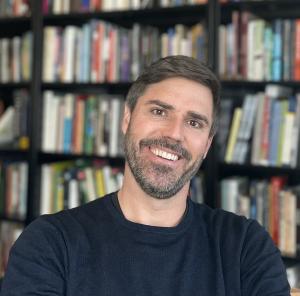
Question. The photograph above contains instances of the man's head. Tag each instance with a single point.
(169, 122)
(177, 66)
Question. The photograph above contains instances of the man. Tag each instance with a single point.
(149, 238)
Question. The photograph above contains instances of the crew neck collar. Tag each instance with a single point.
(116, 211)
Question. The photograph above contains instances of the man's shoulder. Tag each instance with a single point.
(83, 218)
(219, 222)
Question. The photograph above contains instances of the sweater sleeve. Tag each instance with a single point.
(37, 262)
(262, 270)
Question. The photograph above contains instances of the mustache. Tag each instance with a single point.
(167, 143)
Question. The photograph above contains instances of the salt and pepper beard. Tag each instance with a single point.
(166, 183)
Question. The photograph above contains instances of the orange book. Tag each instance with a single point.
(297, 50)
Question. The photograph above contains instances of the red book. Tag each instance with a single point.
(276, 186)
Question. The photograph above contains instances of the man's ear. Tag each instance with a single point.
(126, 119)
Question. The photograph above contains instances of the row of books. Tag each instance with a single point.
(9, 232)
(68, 6)
(13, 189)
(14, 120)
(271, 203)
(16, 58)
(67, 185)
(89, 124)
(265, 130)
(256, 49)
(14, 8)
(103, 52)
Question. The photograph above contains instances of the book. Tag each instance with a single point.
(295, 145)
(297, 51)
(277, 49)
(233, 134)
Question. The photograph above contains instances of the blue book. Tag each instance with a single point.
(67, 134)
(277, 50)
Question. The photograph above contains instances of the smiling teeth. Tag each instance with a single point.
(165, 154)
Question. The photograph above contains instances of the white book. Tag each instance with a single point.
(135, 4)
(250, 52)
(22, 208)
(46, 190)
(7, 125)
(50, 117)
(4, 61)
(289, 119)
(15, 178)
(69, 38)
(73, 196)
(57, 6)
(49, 54)
(258, 51)
(114, 126)
(164, 45)
(107, 177)
(90, 184)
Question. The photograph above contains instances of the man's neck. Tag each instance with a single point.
(139, 207)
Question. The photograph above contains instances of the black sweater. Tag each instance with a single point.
(93, 250)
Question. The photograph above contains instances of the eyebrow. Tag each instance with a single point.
(161, 104)
(191, 114)
(195, 115)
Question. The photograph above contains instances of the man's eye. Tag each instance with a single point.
(195, 123)
(158, 112)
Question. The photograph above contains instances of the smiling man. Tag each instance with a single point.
(149, 238)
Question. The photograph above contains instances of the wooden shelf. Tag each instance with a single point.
(187, 14)
(53, 157)
(256, 170)
(121, 87)
(267, 9)
(11, 219)
(17, 25)
(14, 85)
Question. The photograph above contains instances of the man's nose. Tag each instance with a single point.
(175, 130)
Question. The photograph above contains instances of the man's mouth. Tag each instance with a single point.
(164, 154)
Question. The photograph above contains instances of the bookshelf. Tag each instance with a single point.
(162, 18)
(237, 84)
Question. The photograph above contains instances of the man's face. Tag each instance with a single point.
(167, 135)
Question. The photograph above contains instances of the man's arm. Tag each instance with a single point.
(262, 270)
(37, 263)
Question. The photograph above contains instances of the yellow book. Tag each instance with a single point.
(100, 188)
(233, 133)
